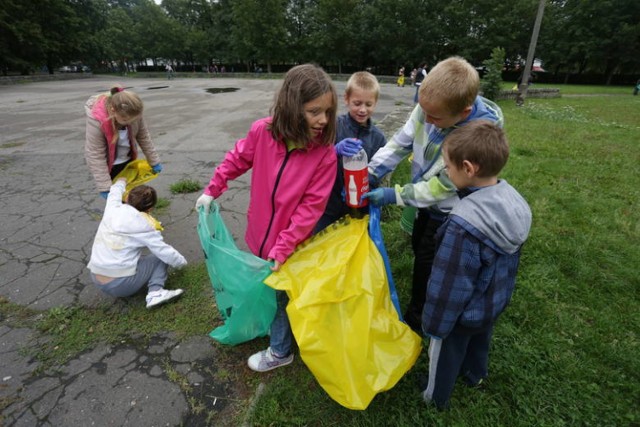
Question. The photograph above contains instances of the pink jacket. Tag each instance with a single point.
(289, 190)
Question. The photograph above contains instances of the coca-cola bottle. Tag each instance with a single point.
(356, 179)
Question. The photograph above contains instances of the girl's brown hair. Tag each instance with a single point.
(303, 83)
(142, 198)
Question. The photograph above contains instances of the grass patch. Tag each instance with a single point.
(185, 186)
(162, 204)
(72, 330)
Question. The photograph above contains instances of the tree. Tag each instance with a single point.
(492, 79)
(257, 38)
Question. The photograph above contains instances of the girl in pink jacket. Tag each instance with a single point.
(294, 166)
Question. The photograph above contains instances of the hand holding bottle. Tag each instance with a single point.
(348, 147)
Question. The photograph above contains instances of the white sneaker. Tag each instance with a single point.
(161, 296)
(265, 360)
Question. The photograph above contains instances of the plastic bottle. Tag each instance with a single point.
(356, 179)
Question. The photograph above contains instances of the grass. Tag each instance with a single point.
(185, 186)
(564, 353)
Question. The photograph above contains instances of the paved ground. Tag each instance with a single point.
(49, 212)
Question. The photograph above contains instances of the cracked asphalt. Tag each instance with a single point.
(50, 210)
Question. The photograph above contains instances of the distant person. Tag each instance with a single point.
(114, 127)
(637, 88)
(117, 266)
(355, 131)
(169, 69)
(421, 73)
(448, 100)
(474, 270)
(412, 76)
(293, 165)
(400, 81)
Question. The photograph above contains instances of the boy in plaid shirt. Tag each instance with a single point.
(475, 266)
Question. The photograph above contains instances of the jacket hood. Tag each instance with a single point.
(499, 213)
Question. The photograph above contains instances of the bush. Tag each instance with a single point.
(491, 83)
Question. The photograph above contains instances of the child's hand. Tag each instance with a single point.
(381, 196)
(204, 201)
(348, 147)
(276, 265)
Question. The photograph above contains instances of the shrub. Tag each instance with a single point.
(493, 78)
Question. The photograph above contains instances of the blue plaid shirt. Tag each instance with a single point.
(471, 282)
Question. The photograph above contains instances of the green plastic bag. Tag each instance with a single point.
(246, 304)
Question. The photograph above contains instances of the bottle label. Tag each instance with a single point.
(357, 183)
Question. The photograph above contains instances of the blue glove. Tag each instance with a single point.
(348, 147)
(157, 168)
(104, 194)
(381, 196)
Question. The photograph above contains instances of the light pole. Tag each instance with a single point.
(524, 83)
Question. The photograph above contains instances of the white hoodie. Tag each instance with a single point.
(122, 234)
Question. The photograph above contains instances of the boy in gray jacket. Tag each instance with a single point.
(475, 266)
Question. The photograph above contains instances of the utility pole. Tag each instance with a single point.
(524, 83)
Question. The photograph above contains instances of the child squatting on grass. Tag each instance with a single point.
(475, 266)
(294, 167)
(355, 131)
(116, 265)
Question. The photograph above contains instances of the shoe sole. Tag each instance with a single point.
(164, 301)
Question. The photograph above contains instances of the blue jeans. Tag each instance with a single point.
(281, 335)
(150, 270)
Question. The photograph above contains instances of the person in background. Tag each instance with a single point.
(421, 73)
(448, 100)
(114, 128)
(293, 164)
(400, 82)
(116, 265)
(475, 266)
(355, 131)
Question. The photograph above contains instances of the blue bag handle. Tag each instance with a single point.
(376, 235)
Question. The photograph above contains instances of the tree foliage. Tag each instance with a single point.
(577, 36)
(492, 79)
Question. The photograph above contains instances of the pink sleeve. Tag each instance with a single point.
(236, 162)
(310, 209)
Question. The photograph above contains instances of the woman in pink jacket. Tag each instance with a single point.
(294, 166)
(114, 127)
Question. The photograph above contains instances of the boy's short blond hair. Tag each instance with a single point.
(480, 142)
(453, 82)
(363, 80)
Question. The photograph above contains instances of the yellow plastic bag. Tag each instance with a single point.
(342, 314)
(137, 173)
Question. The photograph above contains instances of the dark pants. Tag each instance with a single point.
(116, 169)
(465, 354)
(424, 249)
